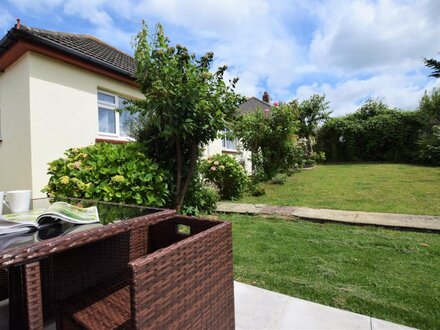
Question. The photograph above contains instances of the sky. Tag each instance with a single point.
(349, 50)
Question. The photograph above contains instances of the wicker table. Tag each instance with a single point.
(32, 266)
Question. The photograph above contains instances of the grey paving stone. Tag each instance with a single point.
(301, 314)
(353, 217)
(256, 308)
(377, 324)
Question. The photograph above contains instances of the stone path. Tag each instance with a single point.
(421, 222)
(257, 308)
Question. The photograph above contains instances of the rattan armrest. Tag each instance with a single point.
(188, 284)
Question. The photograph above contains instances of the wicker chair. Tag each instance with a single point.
(185, 281)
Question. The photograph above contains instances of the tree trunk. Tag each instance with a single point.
(189, 176)
(309, 147)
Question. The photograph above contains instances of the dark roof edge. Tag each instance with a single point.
(14, 34)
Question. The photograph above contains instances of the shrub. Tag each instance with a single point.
(227, 174)
(270, 135)
(374, 132)
(257, 189)
(200, 198)
(279, 179)
(109, 172)
(430, 147)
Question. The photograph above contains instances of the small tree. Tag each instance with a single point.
(185, 105)
(270, 136)
(312, 112)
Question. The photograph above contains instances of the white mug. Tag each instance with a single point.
(2, 196)
(18, 200)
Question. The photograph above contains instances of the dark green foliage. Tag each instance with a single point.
(227, 174)
(434, 65)
(184, 106)
(430, 147)
(270, 135)
(430, 138)
(374, 132)
(200, 198)
(312, 112)
(116, 173)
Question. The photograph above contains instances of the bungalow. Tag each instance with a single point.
(60, 90)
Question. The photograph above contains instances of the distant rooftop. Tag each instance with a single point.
(252, 104)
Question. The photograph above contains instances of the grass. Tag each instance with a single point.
(395, 188)
(383, 273)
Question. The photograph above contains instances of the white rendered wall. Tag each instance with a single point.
(15, 147)
(64, 111)
(215, 147)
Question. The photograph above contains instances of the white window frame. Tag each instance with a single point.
(225, 142)
(111, 106)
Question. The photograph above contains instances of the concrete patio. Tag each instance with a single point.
(257, 308)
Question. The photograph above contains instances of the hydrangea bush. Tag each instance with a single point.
(227, 174)
(108, 172)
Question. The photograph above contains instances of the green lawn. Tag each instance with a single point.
(395, 188)
(383, 273)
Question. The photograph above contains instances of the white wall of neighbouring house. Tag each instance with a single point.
(64, 110)
(15, 134)
(243, 155)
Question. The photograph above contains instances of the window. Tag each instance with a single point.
(227, 142)
(111, 122)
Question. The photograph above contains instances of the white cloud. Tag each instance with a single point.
(401, 91)
(385, 35)
(35, 6)
(275, 45)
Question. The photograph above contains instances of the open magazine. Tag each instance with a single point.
(27, 221)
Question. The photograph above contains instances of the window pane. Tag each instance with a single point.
(124, 122)
(107, 122)
(106, 98)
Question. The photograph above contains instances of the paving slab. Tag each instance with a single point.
(421, 222)
(377, 324)
(257, 308)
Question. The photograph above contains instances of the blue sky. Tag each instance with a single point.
(349, 50)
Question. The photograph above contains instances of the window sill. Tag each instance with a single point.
(230, 151)
(111, 140)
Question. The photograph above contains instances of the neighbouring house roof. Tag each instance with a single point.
(84, 48)
(252, 104)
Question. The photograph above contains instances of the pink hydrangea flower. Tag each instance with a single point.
(276, 104)
(266, 111)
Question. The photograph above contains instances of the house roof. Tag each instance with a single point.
(80, 46)
(252, 104)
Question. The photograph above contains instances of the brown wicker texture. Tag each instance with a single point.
(90, 257)
(26, 254)
(184, 282)
(4, 285)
